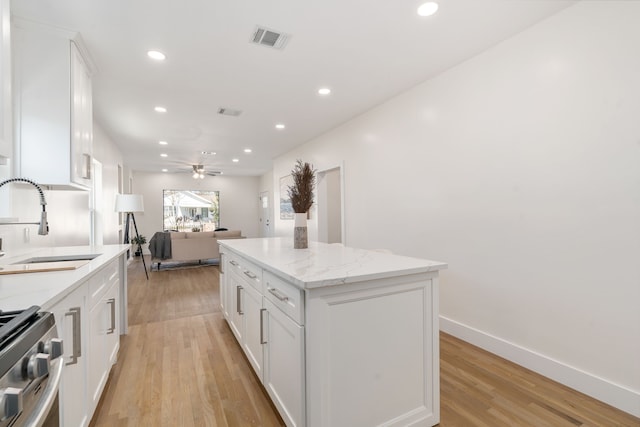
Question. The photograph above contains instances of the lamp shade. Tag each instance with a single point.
(129, 203)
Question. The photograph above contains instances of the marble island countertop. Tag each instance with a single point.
(324, 264)
(44, 289)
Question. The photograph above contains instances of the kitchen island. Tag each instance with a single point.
(89, 303)
(337, 335)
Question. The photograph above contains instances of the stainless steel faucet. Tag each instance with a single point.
(43, 228)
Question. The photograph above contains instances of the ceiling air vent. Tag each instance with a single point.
(229, 112)
(270, 38)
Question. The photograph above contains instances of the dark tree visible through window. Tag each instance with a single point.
(191, 210)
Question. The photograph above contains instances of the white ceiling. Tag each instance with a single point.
(365, 51)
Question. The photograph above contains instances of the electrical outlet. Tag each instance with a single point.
(27, 235)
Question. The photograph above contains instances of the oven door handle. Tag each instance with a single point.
(42, 408)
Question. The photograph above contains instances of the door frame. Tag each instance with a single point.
(261, 210)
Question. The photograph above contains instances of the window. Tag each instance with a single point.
(191, 210)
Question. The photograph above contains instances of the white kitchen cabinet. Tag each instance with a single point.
(112, 341)
(227, 291)
(103, 342)
(284, 369)
(272, 341)
(81, 147)
(71, 319)
(252, 339)
(5, 82)
(236, 319)
(53, 101)
(222, 283)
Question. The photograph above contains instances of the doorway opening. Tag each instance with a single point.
(331, 227)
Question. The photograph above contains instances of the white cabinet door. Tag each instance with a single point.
(71, 319)
(222, 295)
(224, 305)
(236, 314)
(229, 298)
(103, 338)
(5, 82)
(53, 107)
(112, 342)
(81, 120)
(284, 369)
(96, 350)
(253, 333)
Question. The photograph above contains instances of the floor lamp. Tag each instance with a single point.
(130, 203)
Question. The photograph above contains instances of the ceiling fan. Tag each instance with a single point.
(197, 168)
(199, 172)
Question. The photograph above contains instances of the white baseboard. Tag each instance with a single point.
(613, 394)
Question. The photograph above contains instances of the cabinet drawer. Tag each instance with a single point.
(285, 296)
(248, 271)
(232, 263)
(101, 281)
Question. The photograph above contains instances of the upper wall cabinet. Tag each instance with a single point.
(5, 82)
(53, 106)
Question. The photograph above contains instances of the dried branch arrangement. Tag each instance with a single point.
(301, 192)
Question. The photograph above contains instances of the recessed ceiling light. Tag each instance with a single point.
(279, 126)
(247, 150)
(165, 170)
(163, 142)
(157, 55)
(428, 8)
(164, 155)
(160, 109)
(324, 91)
(235, 160)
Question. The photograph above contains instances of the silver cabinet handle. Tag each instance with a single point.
(276, 293)
(250, 275)
(262, 340)
(77, 336)
(86, 168)
(112, 303)
(234, 263)
(238, 295)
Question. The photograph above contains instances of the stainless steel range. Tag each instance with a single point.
(30, 368)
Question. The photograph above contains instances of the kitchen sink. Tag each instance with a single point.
(58, 258)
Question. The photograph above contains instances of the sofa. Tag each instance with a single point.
(188, 246)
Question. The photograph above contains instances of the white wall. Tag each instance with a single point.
(520, 168)
(238, 199)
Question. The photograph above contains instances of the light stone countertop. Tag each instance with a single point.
(44, 289)
(324, 264)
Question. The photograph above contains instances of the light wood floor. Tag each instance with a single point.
(181, 366)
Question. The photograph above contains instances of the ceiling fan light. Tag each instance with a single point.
(195, 175)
